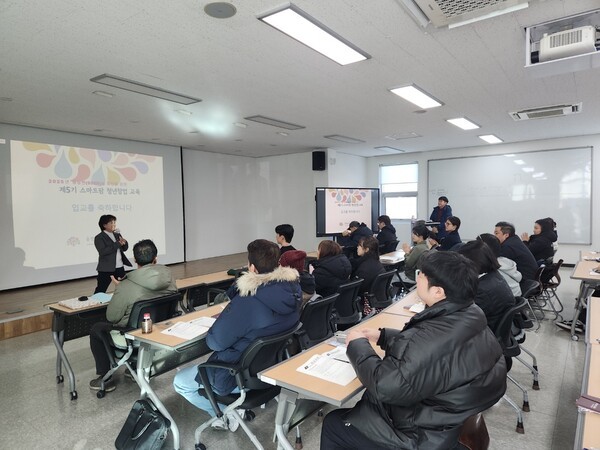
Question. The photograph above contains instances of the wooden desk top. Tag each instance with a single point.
(69, 312)
(583, 269)
(396, 256)
(208, 279)
(159, 339)
(593, 328)
(593, 387)
(285, 374)
(591, 431)
(401, 306)
(588, 254)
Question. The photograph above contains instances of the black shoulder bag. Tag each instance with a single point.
(145, 428)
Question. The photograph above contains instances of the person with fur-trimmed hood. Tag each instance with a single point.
(266, 303)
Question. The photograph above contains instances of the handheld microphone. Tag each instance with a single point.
(117, 234)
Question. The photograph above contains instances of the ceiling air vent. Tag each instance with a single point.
(546, 111)
(451, 13)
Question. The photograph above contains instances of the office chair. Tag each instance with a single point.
(347, 310)
(316, 322)
(511, 349)
(388, 247)
(474, 434)
(261, 354)
(378, 294)
(550, 281)
(530, 289)
(124, 353)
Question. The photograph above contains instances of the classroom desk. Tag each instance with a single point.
(296, 385)
(160, 353)
(588, 424)
(392, 258)
(216, 279)
(401, 307)
(68, 324)
(583, 271)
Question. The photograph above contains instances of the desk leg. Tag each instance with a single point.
(58, 336)
(584, 291)
(285, 408)
(145, 356)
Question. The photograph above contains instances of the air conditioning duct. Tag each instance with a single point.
(452, 13)
(546, 112)
(563, 44)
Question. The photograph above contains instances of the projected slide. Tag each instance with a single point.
(337, 207)
(59, 193)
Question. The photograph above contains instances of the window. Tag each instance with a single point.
(399, 185)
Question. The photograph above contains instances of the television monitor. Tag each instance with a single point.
(337, 207)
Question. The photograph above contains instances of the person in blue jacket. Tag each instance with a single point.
(266, 302)
(440, 214)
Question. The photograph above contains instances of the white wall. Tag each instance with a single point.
(570, 253)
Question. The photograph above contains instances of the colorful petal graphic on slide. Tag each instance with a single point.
(34, 146)
(88, 155)
(73, 156)
(105, 155)
(112, 177)
(141, 166)
(44, 160)
(83, 172)
(121, 159)
(63, 169)
(128, 172)
(98, 176)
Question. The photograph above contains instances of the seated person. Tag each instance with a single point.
(443, 367)
(440, 214)
(150, 280)
(512, 247)
(331, 268)
(267, 303)
(283, 235)
(367, 265)
(420, 233)
(541, 242)
(452, 238)
(508, 268)
(355, 232)
(386, 235)
(493, 296)
(296, 259)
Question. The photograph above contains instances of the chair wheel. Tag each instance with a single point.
(100, 394)
(60, 379)
(74, 395)
(249, 416)
(200, 446)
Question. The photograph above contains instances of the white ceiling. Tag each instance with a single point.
(241, 67)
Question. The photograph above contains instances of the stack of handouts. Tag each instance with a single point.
(332, 366)
(191, 329)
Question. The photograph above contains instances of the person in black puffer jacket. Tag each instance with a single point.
(367, 265)
(331, 269)
(540, 243)
(443, 367)
(387, 234)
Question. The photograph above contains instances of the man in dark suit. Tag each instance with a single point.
(111, 252)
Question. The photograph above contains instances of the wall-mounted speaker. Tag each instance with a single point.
(318, 160)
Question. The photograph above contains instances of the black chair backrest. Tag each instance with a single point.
(529, 288)
(550, 275)
(380, 290)
(160, 308)
(388, 247)
(503, 329)
(345, 305)
(261, 354)
(316, 321)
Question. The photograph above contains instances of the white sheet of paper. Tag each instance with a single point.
(186, 330)
(329, 369)
(417, 307)
(339, 353)
(204, 321)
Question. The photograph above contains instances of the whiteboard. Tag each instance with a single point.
(518, 188)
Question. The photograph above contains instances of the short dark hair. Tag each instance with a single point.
(372, 244)
(454, 221)
(264, 255)
(385, 220)
(329, 248)
(286, 230)
(506, 228)
(545, 224)
(444, 199)
(144, 252)
(421, 230)
(452, 272)
(354, 223)
(483, 257)
(104, 219)
(492, 242)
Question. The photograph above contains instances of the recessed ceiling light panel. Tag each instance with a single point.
(306, 29)
(341, 138)
(145, 89)
(385, 148)
(274, 122)
(491, 139)
(463, 123)
(417, 96)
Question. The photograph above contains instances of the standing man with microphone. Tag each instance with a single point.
(111, 252)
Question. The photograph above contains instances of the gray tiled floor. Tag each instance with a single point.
(37, 413)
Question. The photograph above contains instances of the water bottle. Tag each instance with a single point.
(147, 323)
